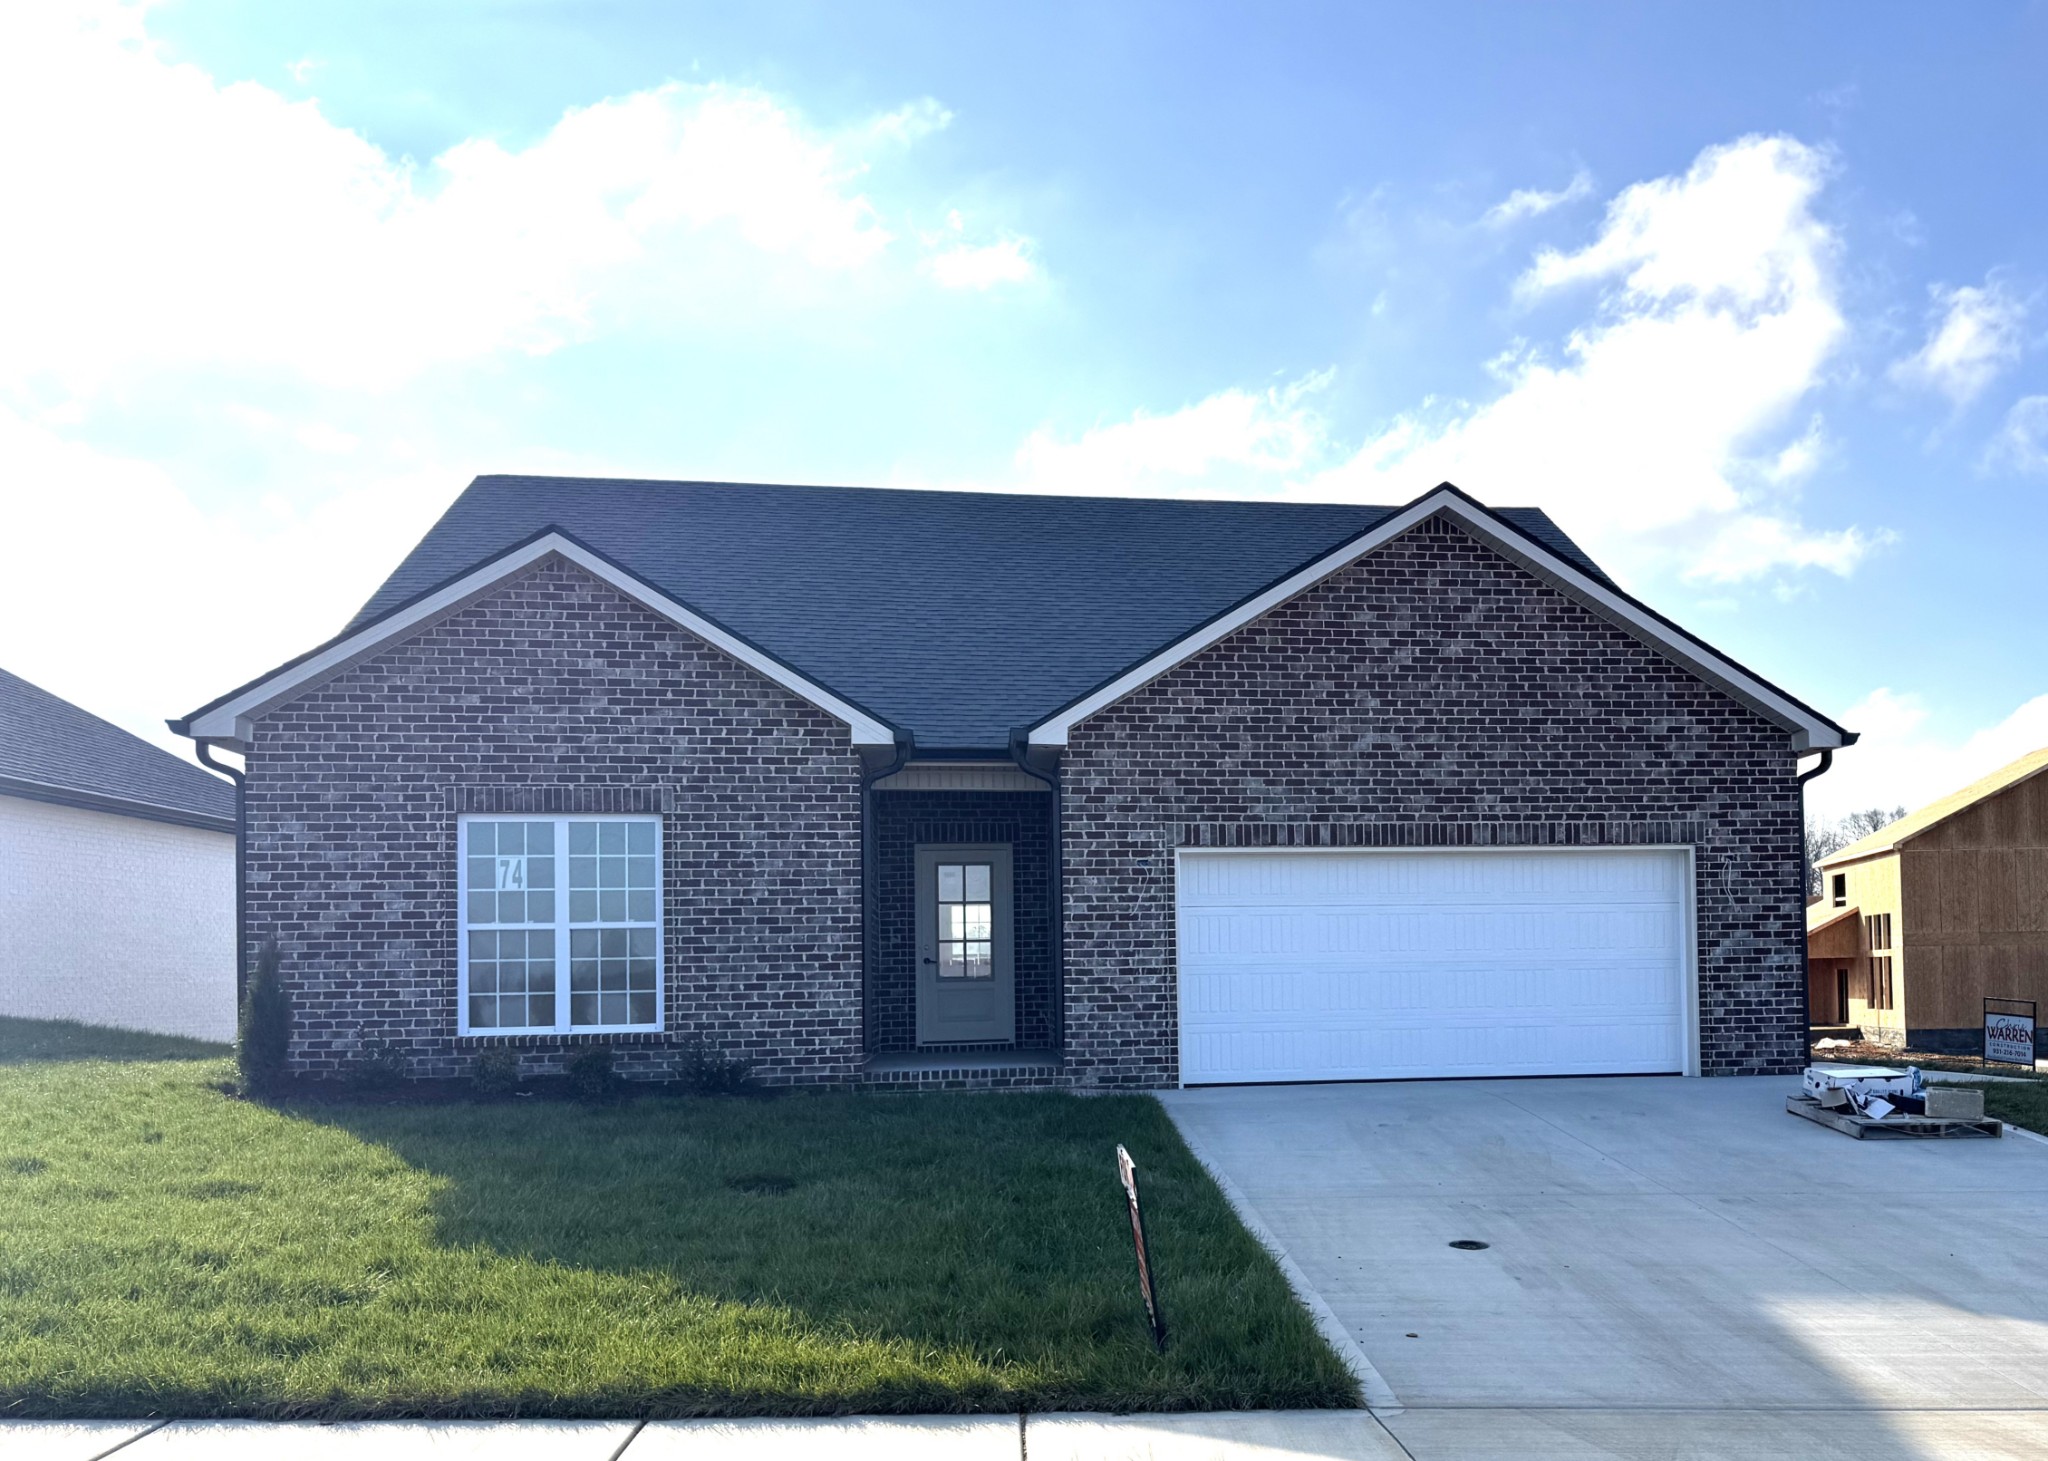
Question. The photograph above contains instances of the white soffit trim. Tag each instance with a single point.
(231, 720)
(1809, 731)
(960, 776)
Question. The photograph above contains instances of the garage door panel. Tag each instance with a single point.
(1390, 965)
(1295, 932)
(1432, 1051)
(1598, 986)
(1344, 879)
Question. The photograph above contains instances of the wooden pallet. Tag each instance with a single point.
(1864, 1127)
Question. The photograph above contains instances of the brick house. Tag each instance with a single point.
(984, 789)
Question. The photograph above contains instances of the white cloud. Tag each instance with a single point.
(1655, 435)
(1534, 202)
(967, 266)
(1751, 544)
(181, 221)
(201, 431)
(1975, 334)
(1737, 228)
(2022, 443)
(1901, 761)
(137, 603)
(1232, 439)
(319, 436)
(1798, 459)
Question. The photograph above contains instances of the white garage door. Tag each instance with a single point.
(1308, 966)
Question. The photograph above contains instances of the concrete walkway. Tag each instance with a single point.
(1338, 1435)
(1673, 1268)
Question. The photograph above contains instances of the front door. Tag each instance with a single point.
(966, 985)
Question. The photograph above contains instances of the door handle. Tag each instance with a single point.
(931, 961)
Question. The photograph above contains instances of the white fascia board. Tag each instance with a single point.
(1808, 731)
(232, 720)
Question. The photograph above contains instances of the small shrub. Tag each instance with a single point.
(380, 1066)
(264, 1037)
(592, 1076)
(496, 1073)
(711, 1073)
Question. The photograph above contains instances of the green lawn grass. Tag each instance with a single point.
(169, 1249)
(27, 1040)
(2018, 1104)
(2019, 1100)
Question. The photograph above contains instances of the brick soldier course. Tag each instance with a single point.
(1434, 692)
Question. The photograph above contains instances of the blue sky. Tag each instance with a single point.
(1753, 299)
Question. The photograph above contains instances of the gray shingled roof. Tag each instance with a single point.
(50, 750)
(955, 615)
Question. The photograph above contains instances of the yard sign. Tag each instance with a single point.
(1127, 1173)
(2009, 1034)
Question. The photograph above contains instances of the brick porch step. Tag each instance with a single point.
(979, 1070)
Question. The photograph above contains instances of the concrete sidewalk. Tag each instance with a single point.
(1322, 1435)
(1292, 1435)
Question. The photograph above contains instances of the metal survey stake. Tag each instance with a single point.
(1127, 1173)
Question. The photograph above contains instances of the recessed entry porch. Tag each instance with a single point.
(962, 984)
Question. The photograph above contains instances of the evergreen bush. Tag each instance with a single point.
(591, 1074)
(496, 1073)
(263, 1039)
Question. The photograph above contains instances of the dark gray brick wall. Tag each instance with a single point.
(1432, 694)
(903, 820)
(555, 694)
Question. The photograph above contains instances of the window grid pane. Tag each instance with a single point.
(510, 906)
(613, 877)
(511, 978)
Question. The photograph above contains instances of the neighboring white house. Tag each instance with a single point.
(117, 875)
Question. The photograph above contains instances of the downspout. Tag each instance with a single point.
(1827, 759)
(905, 743)
(203, 749)
(1056, 913)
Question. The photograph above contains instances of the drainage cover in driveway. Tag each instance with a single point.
(1470, 1245)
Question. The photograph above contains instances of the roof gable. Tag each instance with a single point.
(51, 750)
(1886, 838)
(1808, 728)
(230, 718)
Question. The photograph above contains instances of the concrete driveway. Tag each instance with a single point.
(1674, 1267)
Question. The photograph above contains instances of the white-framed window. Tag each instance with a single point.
(560, 924)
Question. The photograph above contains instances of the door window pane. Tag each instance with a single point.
(966, 920)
